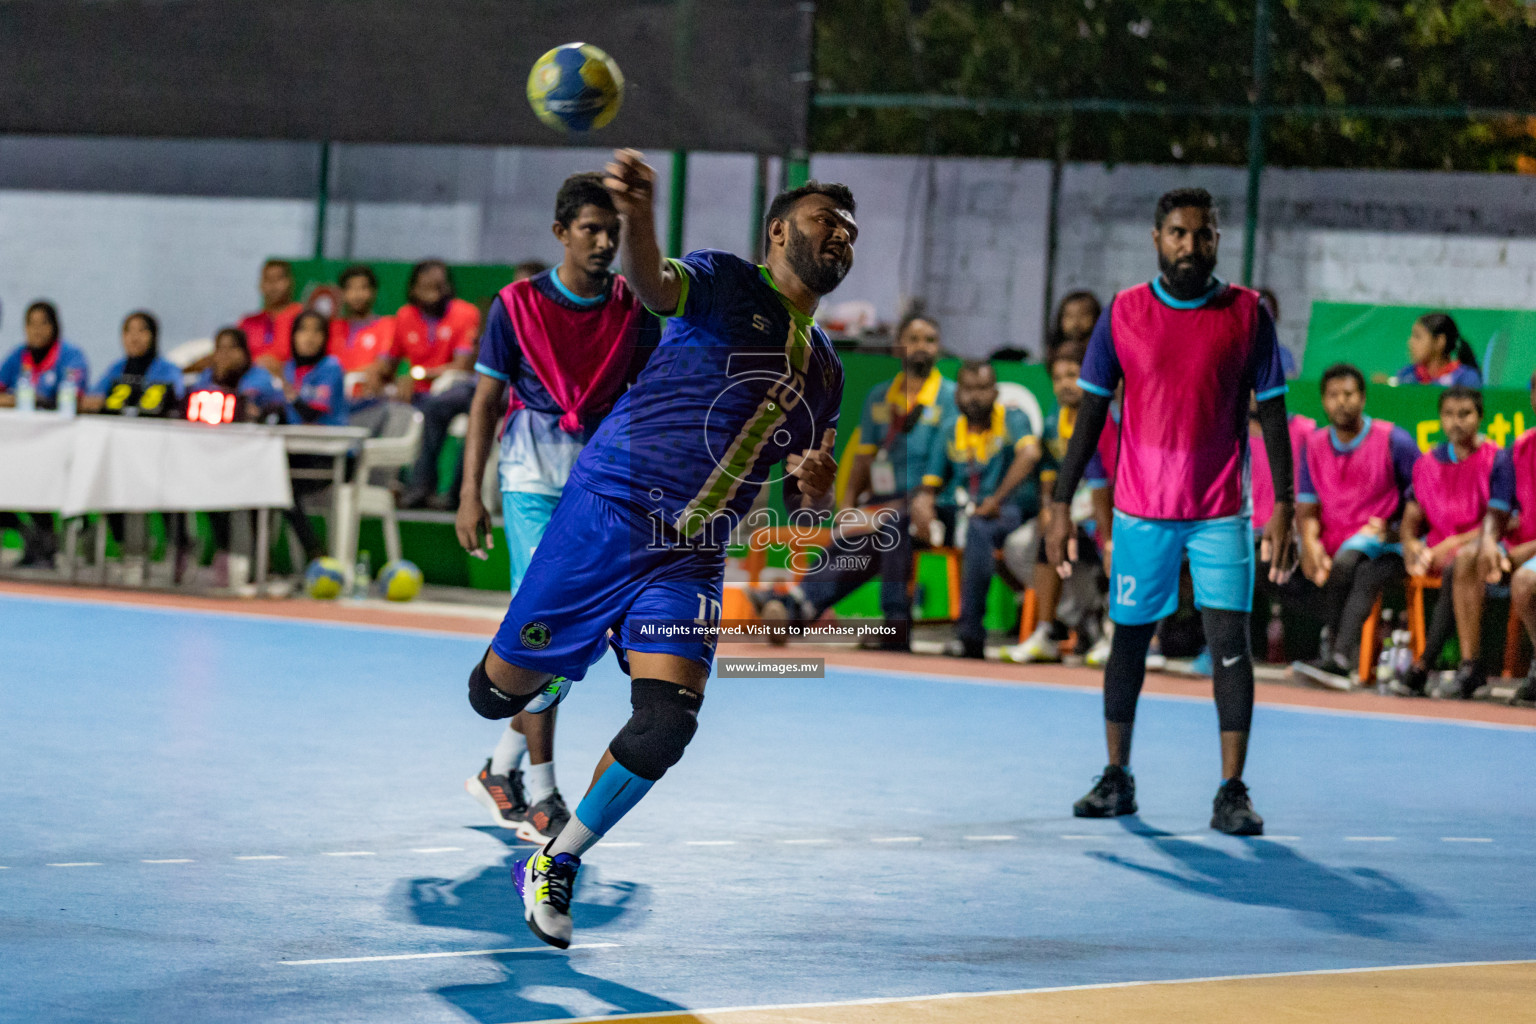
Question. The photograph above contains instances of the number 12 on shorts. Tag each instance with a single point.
(1125, 590)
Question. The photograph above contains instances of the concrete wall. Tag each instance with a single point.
(105, 226)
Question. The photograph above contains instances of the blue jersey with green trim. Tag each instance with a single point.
(739, 380)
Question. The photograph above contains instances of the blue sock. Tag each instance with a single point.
(616, 791)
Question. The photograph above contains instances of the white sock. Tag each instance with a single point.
(509, 751)
(539, 781)
(575, 839)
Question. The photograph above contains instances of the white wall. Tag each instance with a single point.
(965, 237)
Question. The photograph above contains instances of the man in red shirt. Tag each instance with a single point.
(361, 340)
(435, 334)
(270, 330)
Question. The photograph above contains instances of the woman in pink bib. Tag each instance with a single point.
(1454, 484)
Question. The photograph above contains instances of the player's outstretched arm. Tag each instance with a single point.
(473, 521)
(632, 183)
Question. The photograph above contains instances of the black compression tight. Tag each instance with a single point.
(1226, 633)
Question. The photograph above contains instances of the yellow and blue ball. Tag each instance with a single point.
(325, 579)
(575, 88)
(399, 581)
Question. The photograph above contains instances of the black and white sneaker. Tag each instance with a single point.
(1330, 672)
(1232, 811)
(1113, 794)
(1412, 684)
(502, 795)
(545, 884)
(1525, 694)
(779, 612)
(544, 820)
(1469, 678)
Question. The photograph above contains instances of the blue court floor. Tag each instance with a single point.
(207, 817)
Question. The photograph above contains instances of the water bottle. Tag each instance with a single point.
(69, 396)
(26, 392)
(1404, 642)
(360, 576)
(1386, 663)
(1274, 637)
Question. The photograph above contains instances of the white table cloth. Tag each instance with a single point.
(50, 463)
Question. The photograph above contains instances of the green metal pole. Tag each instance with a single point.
(679, 202)
(322, 199)
(1256, 134)
(759, 204)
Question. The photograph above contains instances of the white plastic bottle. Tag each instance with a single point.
(26, 392)
(69, 396)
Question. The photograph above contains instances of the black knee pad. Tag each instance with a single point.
(665, 719)
(490, 702)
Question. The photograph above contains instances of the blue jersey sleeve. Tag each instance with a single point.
(499, 356)
(1268, 370)
(1306, 492)
(1095, 476)
(163, 371)
(936, 472)
(1467, 377)
(705, 277)
(10, 370)
(871, 435)
(1101, 371)
(1404, 454)
(106, 380)
(1501, 482)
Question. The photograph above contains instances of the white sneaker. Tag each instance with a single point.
(1039, 647)
(545, 883)
(553, 693)
(1156, 662)
(133, 571)
(1098, 654)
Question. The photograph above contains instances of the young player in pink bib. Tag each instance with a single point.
(1349, 499)
(1454, 485)
(1516, 528)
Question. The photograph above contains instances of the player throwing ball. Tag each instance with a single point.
(741, 381)
(1190, 349)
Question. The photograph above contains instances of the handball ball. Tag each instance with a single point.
(399, 581)
(575, 88)
(325, 579)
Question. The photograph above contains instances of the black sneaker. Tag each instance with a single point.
(1469, 678)
(1525, 694)
(1411, 685)
(502, 795)
(1113, 794)
(779, 611)
(899, 639)
(958, 648)
(544, 819)
(1232, 812)
(1329, 672)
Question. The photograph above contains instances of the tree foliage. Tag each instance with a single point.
(1433, 53)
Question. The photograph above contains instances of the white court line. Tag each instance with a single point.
(1464, 839)
(77, 864)
(1082, 837)
(990, 839)
(1280, 839)
(438, 849)
(349, 853)
(439, 956)
(704, 1012)
(1393, 716)
(804, 842)
(262, 856)
(710, 842)
(1370, 839)
(896, 839)
(169, 860)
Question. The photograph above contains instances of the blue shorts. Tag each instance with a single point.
(600, 568)
(1144, 586)
(525, 517)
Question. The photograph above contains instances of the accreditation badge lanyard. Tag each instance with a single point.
(882, 473)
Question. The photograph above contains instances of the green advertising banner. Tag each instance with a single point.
(1506, 411)
(1375, 338)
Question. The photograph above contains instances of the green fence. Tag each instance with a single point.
(1375, 338)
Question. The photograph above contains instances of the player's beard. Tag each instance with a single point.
(817, 274)
(1188, 278)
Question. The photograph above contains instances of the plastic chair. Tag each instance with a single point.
(1414, 587)
(359, 497)
(1367, 665)
(951, 558)
(459, 425)
(798, 542)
